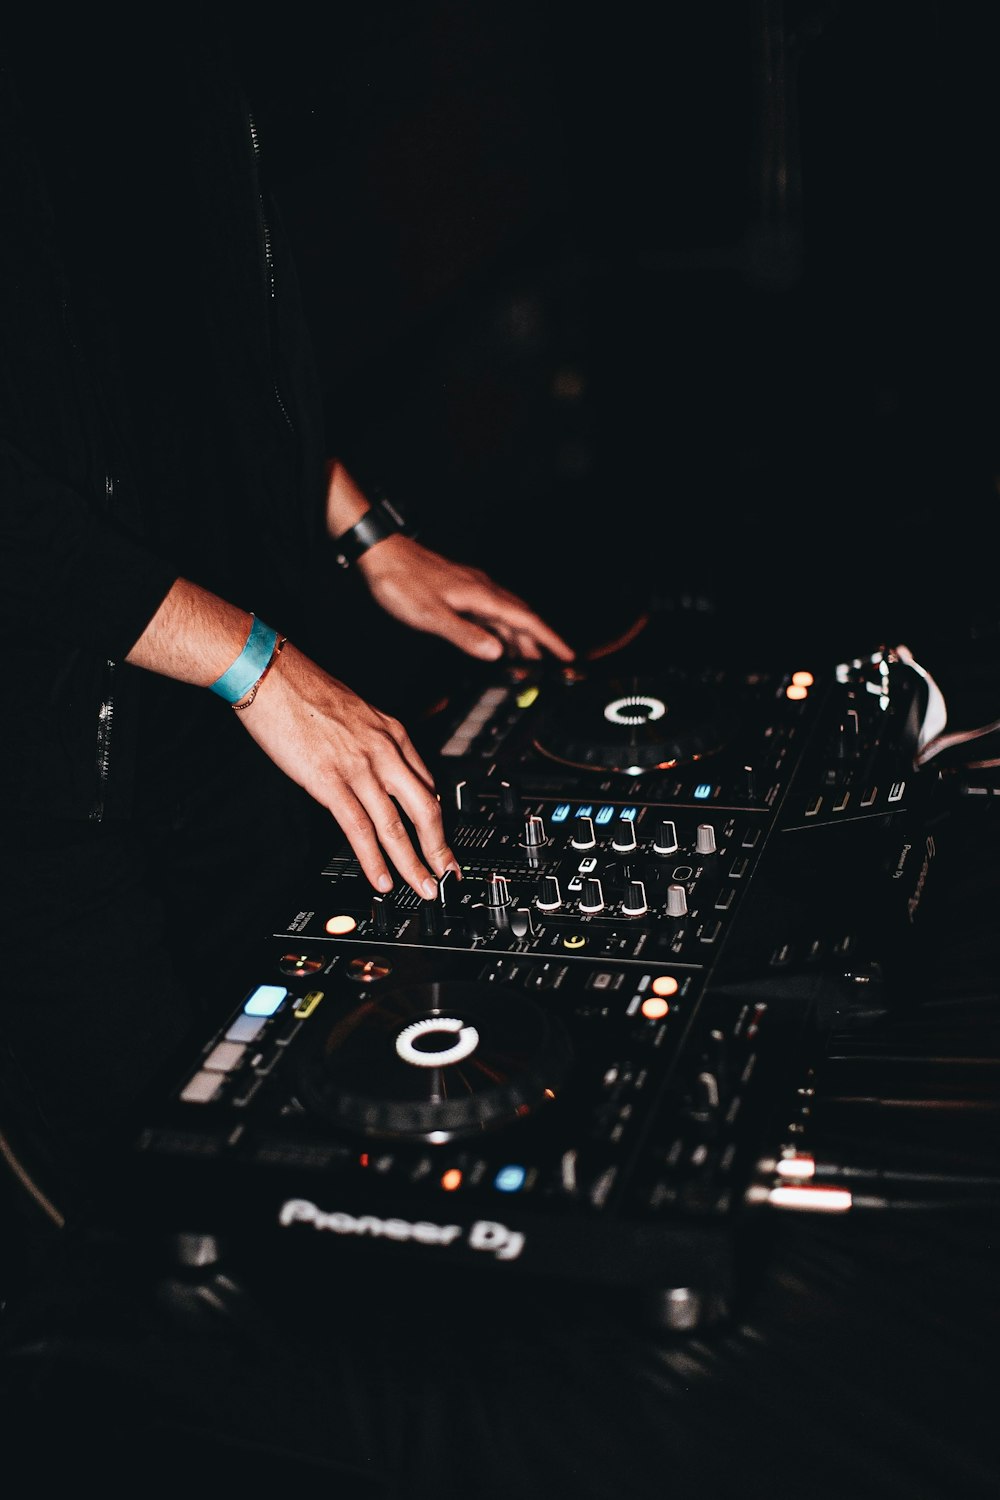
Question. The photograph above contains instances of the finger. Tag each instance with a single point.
(393, 838)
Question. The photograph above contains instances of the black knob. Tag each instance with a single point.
(665, 841)
(534, 831)
(583, 832)
(592, 898)
(624, 835)
(634, 901)
(498, 891)
(549, 897)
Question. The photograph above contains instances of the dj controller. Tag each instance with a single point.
(584, 1058)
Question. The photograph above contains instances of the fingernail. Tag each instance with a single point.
(430, 889)
(384, 883)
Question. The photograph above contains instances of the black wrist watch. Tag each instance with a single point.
(380, 521)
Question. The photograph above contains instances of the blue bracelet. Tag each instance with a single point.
(237, 680)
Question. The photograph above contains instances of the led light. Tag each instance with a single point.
(510, 1179)
(451, 1179)
(703, 790)
(340, 925)
(799, 1167)
(605, 814)
(813, 1199)
(264, 1000)
(585, 812)
(654, 1007)
(526, 698)
(560, 813)
(803, 679)
(795, 692)
(664, 984)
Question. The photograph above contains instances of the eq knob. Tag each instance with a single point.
(497, 891)
(583, 832)
(705, 839)
(634, 902)
(592, 895)
(549, 897)
(677, 902)
(665, 841)
(624, 835)
(534, 832)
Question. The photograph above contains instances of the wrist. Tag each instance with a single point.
(238, 684)
(381, 520)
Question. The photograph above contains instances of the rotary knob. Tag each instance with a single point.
(634, 902)
(549, 897)
(534, 832)
(592, 895)
(624, 835)
(677, 902)
(583, 832)
(497, 891)
(705, 839)
(665, 841)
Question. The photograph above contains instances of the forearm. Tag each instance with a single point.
(194, 636)
(346, 501)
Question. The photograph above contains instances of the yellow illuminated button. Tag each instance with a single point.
(664, 984)
(577, 941)
(803, 679)
(654, 1008)
(526, 698)
(339, 926)
(308, 1003)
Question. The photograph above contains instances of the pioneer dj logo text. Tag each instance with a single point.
(484, 1234)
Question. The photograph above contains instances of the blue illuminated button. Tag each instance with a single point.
(560, 814)
(703, 790)
(629, 814)
(510, 1179)
(585, 812)
(605, 815)
(264, 1000)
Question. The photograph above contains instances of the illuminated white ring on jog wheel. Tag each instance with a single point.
(617, 711)
(467, 1040)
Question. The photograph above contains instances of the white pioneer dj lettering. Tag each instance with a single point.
(504, 1243)
(636, 709)
(467, 1040)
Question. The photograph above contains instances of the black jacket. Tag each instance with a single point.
(159, 406)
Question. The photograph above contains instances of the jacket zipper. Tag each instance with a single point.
(267, 251)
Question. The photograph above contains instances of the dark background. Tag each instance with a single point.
(693, 303)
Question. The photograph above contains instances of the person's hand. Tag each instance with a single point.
(460, 604)
(357, 762)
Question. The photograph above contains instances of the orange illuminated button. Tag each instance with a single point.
(451, 1179)
(654, 1007)
(664, 984)
(803, 679)
(340, 925)
(796, 692)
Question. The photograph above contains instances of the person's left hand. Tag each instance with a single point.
(460, 604)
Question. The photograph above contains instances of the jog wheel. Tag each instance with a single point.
(635, 724)
(435, 1061)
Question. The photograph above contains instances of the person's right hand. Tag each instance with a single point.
(359, 763)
